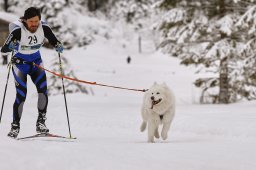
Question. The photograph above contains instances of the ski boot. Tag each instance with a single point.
(14, 130)
(40, 124)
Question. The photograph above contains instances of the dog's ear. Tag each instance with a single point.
(164, 84)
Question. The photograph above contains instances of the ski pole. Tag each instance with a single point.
(8, 75)
(64, 92)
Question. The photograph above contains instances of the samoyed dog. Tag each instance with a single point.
(158, 108)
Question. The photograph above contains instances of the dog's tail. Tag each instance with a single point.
(143, 126)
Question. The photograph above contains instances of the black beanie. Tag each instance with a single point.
(32, 12)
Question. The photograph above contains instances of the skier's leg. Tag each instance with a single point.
(38, 77)
(21, 92)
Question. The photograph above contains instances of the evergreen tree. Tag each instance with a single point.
(246, 26)
(205, 33)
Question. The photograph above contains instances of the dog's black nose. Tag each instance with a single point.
(152, 98)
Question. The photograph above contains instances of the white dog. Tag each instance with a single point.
(158, 108)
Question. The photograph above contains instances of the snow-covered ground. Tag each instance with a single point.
(106, 124)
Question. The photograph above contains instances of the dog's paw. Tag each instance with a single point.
(151, 141)
(164, 136)
(157, 134)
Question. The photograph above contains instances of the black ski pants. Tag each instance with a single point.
(38, 76)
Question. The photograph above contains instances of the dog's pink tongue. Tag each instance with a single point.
(152, 104)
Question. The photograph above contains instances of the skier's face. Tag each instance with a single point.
(33, 23)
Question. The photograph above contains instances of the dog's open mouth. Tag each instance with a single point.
(155, 102)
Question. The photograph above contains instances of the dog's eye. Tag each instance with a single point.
(157, 93)
(152, 93)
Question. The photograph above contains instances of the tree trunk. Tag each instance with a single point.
(5, 5)
(92, 5)
(222, 7)
(224, 85)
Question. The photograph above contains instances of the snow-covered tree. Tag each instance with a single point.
(205, 33)
(246, 25)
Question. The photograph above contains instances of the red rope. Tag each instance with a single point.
(86, 82)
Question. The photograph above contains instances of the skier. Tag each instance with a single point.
(25, 40)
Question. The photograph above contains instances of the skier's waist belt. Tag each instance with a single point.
(16, 60)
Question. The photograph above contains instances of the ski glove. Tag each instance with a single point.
(13, 45)
(59, 48)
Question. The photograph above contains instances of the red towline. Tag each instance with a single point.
(87, 82)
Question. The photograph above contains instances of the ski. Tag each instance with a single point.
(45, 135)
